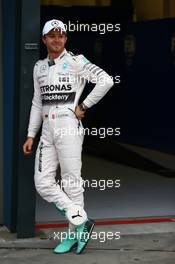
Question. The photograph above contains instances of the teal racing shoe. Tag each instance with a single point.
(67, 244)
(84, 234)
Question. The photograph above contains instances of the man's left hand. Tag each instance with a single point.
(79, 113)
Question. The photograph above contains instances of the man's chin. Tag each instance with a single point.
(57, 49)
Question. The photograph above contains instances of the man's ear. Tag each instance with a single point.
(65, 39)
(44, 39)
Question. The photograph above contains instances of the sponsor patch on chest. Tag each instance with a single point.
(55, 88)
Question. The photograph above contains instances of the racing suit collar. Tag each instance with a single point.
(52, 62)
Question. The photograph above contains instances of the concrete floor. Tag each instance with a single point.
(139, 243)
(33, 256)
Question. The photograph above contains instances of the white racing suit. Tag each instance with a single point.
(58, 86)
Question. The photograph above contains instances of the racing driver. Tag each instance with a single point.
(59, 81)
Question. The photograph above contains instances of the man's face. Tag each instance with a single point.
(55, 41)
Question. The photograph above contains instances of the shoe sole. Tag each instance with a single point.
(83, 248)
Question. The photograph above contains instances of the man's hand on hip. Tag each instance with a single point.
(79, 113)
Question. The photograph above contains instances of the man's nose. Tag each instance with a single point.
(57, 38)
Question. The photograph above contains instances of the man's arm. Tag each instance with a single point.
(35, 115)
(94, 74)
(36, 109)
